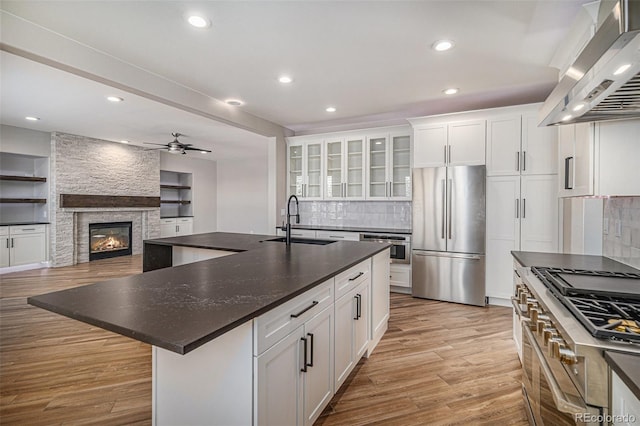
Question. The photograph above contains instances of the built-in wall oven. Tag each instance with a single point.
(401, 245)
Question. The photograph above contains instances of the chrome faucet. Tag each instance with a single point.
(287, 227)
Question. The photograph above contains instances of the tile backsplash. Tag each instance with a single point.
(621, 231)
(361, 214)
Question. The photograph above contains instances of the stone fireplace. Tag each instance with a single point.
(110, 239)
(94, 182)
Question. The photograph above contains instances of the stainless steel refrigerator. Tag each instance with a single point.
(448, 239)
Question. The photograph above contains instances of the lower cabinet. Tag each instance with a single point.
(22, 245)
(295, 376)
(352, 331)
(176, 226)
(625, 406)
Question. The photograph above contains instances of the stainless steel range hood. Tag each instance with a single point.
(597, 87)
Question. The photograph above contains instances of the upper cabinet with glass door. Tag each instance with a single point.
(389, 167)
(344, 160)
(305, 169)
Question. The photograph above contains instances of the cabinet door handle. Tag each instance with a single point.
(517, 208)
(357, 276)
(7, 243)
(310, 364)
(304, 354)
(568, 173)
(314, 303)
(11, 242)
(524, 161)
(518, 161)
(449, 153)
(445, 154)
(336, 236)
(524, 208)
(359, 307)
(28, 229)
(356, 314)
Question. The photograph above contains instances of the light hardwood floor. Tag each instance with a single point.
(439, 363)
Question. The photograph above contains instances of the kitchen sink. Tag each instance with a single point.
(300, 241)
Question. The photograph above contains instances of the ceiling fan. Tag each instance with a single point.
(177, 147)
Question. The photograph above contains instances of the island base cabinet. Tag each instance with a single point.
(379, 296)
(213, 382)
(295, 376)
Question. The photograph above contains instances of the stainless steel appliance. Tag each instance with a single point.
(449, 234)
(401, 248)
(568, 319)
(602, 82)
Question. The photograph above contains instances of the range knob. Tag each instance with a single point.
(533, 315)
(568, 357)
(548, 333)
(555, 345)
(542, 324)
(531, 304)
(523, 296)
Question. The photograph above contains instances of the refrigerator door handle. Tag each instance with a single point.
(444, 202)
(450, 205)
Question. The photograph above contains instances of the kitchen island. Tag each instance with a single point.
(234, 337)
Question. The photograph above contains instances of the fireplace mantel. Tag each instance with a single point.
(107, 201)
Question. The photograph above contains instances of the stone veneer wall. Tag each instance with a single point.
(82, 165)
(622, 212)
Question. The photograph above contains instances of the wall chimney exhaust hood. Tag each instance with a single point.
(604, 81)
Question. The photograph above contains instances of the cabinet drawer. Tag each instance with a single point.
(352, 277)
(171, 221)
(27, 229)
(338, 235)
(4, 231)
(399, 277)
(303, 233)
(185, 220)
(274, 325)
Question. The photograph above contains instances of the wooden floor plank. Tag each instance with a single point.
(439, 363)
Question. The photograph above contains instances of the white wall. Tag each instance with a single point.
(242, 195)
(17, 140)
(203, 189)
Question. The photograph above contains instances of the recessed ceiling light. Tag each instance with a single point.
(578, 107)
(622, 69)
(285, 79)
(199, 21)
(451, 91)
(204, 152)
(124, 141)
(442, 45)
(234, 102)
(114, 99)
(32, 118)
(330, 109)
(567, 117)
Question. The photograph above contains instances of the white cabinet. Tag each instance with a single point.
(23, 245)
(625, 405)
(344, 168)
(516, 145)
(400, 277)
(299, 233)
(389, 167)
(176, 226)
(449, 144)
(352, 319)
(522, 214)
(599, 159)
(304, 163)
(294, 349)
(379, 296)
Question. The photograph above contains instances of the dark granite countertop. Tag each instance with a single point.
(23, 223)
(351, 229)
(183, 307)
(571, 261)
(626, 366)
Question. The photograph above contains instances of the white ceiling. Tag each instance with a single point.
(370, 59)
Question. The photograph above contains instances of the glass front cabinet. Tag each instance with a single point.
(389, 167)
(305, 169)
(344, 161)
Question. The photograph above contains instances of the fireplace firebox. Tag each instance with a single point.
(109, 240)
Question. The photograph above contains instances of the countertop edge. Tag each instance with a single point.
(615, 359)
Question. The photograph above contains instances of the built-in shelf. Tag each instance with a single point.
(23, 178)
(163, 186)
(183, 202)
(23, 200)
